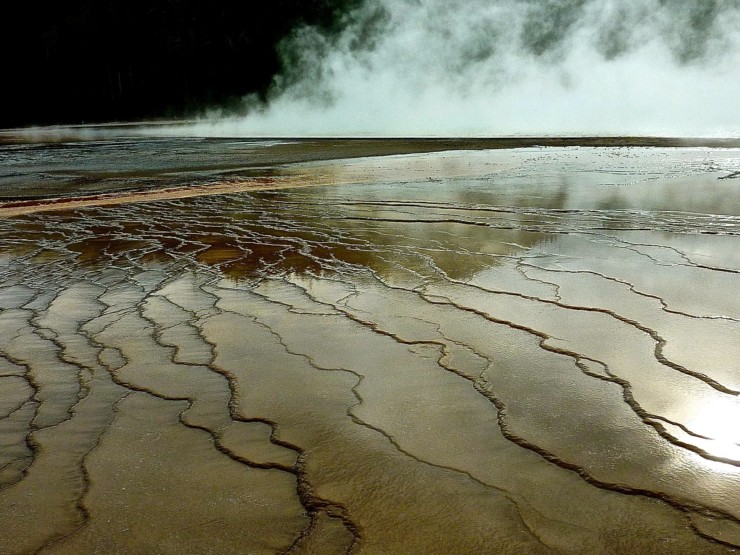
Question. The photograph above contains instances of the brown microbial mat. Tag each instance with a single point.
(530, 350)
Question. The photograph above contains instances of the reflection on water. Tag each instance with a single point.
(719, 420)
(509, 352)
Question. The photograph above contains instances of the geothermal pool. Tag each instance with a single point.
(532, 350)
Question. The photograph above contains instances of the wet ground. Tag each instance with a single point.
(496, 351)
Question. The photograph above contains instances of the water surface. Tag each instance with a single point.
(503, 351)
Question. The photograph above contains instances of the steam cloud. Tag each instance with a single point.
(508, 67)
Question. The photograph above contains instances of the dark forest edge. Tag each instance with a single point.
(91, 61)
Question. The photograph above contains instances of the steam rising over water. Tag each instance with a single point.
(507, 67)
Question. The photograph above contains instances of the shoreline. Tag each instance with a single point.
(162, 130)
(244, 166)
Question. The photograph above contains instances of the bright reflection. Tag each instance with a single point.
(719, 422)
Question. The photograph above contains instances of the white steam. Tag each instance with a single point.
(508, 67)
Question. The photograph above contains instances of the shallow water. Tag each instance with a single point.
(515, 351)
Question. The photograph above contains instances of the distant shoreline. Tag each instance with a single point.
(69, 182)
(159, 130)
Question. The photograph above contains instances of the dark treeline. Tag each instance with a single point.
(117, 60)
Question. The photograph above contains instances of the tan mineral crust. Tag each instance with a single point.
(465, 347)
